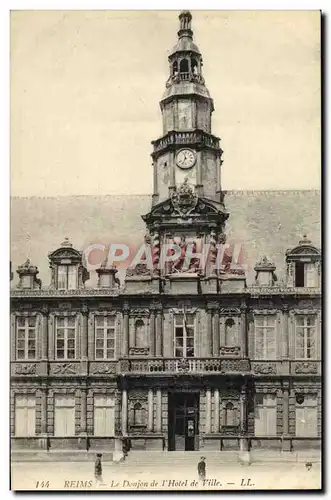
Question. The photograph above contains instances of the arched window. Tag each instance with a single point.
(230, 414)
(138, 415)
(194, 65)
(183, 67)
(175, 68)
(230, 339)
(139, 333)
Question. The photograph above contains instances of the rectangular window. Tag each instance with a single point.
(65, 347)
(67, 277)
(265, 337)
(265, 415)
(26, 338)
(310, 275)
(104, 415)
(184, 336)
(105, 334)
(306, 415)
(305, 337)
(25, 415)
(299, 274)
(64, 415)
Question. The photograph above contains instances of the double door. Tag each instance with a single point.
(183, 422)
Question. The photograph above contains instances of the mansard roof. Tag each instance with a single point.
(263, 222)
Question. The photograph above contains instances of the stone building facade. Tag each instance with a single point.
(180, 356)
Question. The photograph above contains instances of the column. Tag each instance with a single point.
(243, 333)
(84, 333)
(150, 410)
(243, 419)
(209, 331)
(44, 339)
(83, 407)
(172, 167)
(208, 411)
(158, 427)
(216, 410)
(43, 411)
(286, 444)
(126, 330)
(124, 412)
(152, 333)
(285, 407)
(199, 185)
(216, 336)
(285, 331)
(158, 333)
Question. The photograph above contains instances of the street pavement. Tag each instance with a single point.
(73, 476)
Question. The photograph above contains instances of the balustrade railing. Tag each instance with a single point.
(184, 365)
(173, 138)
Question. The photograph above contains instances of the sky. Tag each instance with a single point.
(86, 86)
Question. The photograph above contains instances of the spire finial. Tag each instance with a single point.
(185, 18)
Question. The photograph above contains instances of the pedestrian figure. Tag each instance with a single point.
(202, 469)
(98, 469)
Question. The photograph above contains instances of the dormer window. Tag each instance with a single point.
(67, 277)
(303, 265)
(305, 274)
(68, 272)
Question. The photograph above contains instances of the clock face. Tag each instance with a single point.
(185, 158)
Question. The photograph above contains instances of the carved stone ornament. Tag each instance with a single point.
(26, 369)
(136, 395)
(231, 365)
(230, 430)
(230, 311)
(65, 369)
(264, 264)
(102, 368)
(265, 369)
(139, 270)
(304, 247)
(184, 199)
(229, 350)
(305, 368)
(125, 365)
(139, 312)
(139, 351)
(183, 365)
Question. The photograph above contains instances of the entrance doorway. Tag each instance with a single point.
(183, 421)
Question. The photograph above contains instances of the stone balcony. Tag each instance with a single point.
(184, 366)
(196, 138)
(139, 365)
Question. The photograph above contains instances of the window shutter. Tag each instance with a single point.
(300, 422)
(72, 277)
(310, 275)
(271, 419)
(311, 421)
(25, 415)
(64, 416)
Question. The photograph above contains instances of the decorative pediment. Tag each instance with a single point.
(264, 264)
(185, 203)
(66, 251)
(304, 247)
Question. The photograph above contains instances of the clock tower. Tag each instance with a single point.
(187, 149)
(187, 204)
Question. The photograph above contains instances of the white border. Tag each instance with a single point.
(5, 7)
